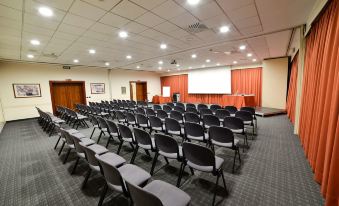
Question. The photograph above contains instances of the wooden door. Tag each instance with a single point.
(67, 94)
(141, 90)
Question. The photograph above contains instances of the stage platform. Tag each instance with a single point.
(265, 111)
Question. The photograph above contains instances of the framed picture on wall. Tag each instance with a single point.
(97, 88)
(26, 90)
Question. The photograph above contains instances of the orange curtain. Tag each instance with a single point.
(248, 81)
(292, 89)
(319, 126)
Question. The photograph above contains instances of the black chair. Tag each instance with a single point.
(214, 107)
(252, 111)
(95, 124)
(192, 110)
(150, 112)
(237, 126)
(103, 127)
(143, 139)
(202, 106)
(210, 120)
(177, 116)
(179, 104)
(194, 131)
(130, 119)
(142, 121)
(223, 137)
(113, 131)
(192, 117)
(179, 109)
(167, 147)
(190, 105)
(156, 124)
(126, 136)
(157, 107)
(205, 112)
(140, 110)
(222, 114)
(173, 127)
(121, 117)
(201, 158)
(162, 115)
(247, 118)
(167, 108)
(170, 104)
(231, 109)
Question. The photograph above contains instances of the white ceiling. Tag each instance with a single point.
(264, 26)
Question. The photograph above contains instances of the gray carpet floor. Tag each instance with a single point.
(274, 171)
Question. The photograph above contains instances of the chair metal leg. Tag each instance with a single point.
(92, 132)
(192, 171)
(120, 145)
(103, 194)
(223, 180)
(57, 142)
(155, 158)
(99, 137)
(215, 189)
(109, 138)
(134, 154)
(86, 178)
(235, 155)
(62, 146)
(75, 165)
(147, 152)
(166, 159)
(181, 172)
(239, 155)
(68, 151)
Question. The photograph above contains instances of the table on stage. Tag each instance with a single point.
(161, 100)
(239, 100)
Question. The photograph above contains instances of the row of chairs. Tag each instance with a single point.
(71, 117)
(48, 121)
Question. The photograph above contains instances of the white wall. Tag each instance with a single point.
(274, 83)
(21, 108)
(2, 119)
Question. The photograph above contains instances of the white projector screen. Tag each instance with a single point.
(209, 81)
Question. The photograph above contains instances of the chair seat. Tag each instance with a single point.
(172, 155)
(132, 122)
(148, 147)
(223, 144)
(218, 163)
(81, 155)
(143, 125)
(238, 131)
(168, 194)
(81, 116)
(87, 141)
(104, 129)
(176, 132)
(114, 134)
(98, 149)
(159, 128)
(201, 138)
(248, 122)
(127, 139)
(111, 159)
(79, 135)
(72, 131)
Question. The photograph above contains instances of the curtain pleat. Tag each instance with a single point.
(292, 89)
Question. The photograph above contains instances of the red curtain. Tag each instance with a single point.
(319, 126)
(247, 81)
(292, 89)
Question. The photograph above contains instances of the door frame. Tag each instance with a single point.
(130, 88)
(53, 82)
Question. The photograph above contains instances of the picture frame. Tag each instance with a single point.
(23, 90)
(123, 90)
(97, 88)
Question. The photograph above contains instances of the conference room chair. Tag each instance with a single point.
(103, 127)
(156, 124)
(192, 110)
(126, 135)
(157, 107)
(150, 112)
(231, 109)
(142, 121)
(131, 107)
(130, 119)
(170, 104)
(237, 126)
(62, 137)
(205, 111)
(214, 107)
(222, 114)
(116, 176)
(192, 117)
(143, 140)
(77, 119)
(252, 111)
(173, 127)
(190, 105)
(113, 131)
(210, 120)
(93, 119)
(179, 109)
(223, 137)
(201, 158)
(158, 193)
(177, 116)
(247, 118)
(179, 104)
(140, 110)
(70, 131)
(202, 106)
(167, 108)
(79, 149)
(194, 131)
(167, 147)
(162, 114)
(121, 117)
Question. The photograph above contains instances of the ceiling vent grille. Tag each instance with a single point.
(196, 28)
(51, 55)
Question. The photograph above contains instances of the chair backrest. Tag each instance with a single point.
(202, 106)
(198, 154)
(172, 125)
(140, 110)
(102, 123)
(233, 123)
(150, 112)
(222, 113)
(170, 104)
(179, 109)
(205, 111)
(142, 197)
(66, 135)
(167, 108)
(211, 120)
(120, 115)
(249, 109)
(166, 143)
(112, 127)
(244, 115)
(214, 107)
(162, 114)
(90, 155)
(142, 137)
(192, 117)
(77, 146)
(130, 117)
(156, 107)
(194, 130)
(190, 105)
(176, 115)
(155, 121)
(111, 173)
(125, 132)
(231, 109)
(221, 134)
(142, 119)
(192, 110)
(180, 105)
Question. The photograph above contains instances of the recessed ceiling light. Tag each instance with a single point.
(178, 65)
(249, 54)
(242, 47)
(75, 60)
(138, 67)
(163, 46)
(31, 56)
(168, 70)
(123, 34)
(227, 52)
(45, 11)
(160, 68)
(224, 29)
(35, 42)
(254, 60)
(107, 63)
(208, 60)
(218, 64)
(128, 57)
(190, 67)
(92, 51)
(160, 62)
(193, 2)
(194, 56)
(178, 69)
(203, 65)
(235, 62)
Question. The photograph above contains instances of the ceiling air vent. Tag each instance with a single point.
(196, 28)
(51, 55)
